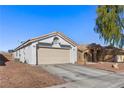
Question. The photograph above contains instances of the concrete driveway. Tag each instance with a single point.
(80, 76)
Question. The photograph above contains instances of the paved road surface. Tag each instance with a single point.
(84, 77)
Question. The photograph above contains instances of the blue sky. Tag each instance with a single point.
(19, 23)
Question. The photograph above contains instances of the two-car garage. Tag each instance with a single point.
(53, 55)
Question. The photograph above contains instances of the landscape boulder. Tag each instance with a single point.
(115, 66)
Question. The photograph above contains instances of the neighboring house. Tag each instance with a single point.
(97, 53)
(53, 48)
(89, 53)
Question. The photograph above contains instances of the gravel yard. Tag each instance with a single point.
(106, 66)
(19, 75)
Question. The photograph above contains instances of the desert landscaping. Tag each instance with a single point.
(108, 66)
(16, 75)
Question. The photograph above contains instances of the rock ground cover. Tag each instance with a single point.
(19, 75)
(107, 66)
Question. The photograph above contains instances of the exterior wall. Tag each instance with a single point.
(79, 57)
(25, 55)
(28, 53)
(33, 53)
(73, 55)
(16, 54)
(82, 58)
(108, 58)
(120, 58)
(50, 40)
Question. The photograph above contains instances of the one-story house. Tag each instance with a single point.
(52, 48)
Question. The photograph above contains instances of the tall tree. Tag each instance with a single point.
(110, 24)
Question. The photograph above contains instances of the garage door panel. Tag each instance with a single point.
(53, 56)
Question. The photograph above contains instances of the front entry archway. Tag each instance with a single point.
(87, 57)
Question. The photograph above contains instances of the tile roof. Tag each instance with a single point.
(46, 36)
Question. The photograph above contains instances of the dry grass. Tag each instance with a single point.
(18, 75)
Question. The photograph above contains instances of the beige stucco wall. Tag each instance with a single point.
(120, 58)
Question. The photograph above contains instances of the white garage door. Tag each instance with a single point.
(53, 56)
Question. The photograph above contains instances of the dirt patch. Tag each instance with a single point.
(107, 66)
(19, 75)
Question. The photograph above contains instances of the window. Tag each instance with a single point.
(56, 40)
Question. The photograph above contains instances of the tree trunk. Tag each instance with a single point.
(95, 55)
